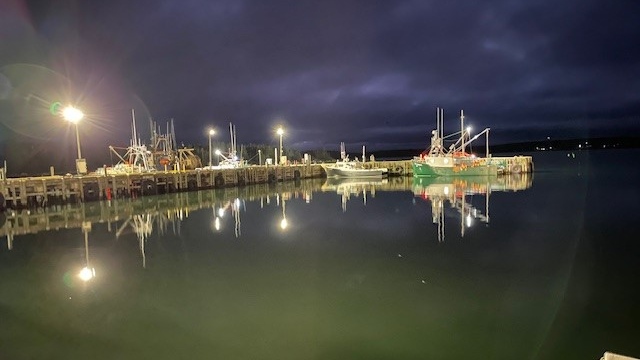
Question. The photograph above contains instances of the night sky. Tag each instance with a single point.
(362, 72)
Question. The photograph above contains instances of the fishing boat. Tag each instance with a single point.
(346, 168)
(229, 160)
(161, 154)
(454, 160)
(352, 169)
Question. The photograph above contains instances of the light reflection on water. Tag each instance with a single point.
(401, 268)
(167, 212)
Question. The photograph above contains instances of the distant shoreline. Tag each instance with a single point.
(530, 146)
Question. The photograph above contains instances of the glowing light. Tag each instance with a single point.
(469, 221)
(72, 114)
(280, 131)
(221, 212)
(212, 132)
(284, 224)
(468, 129)
(218, 152)
(87, 274)
(216, 223)
(54, 109)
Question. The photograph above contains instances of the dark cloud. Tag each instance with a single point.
(364, 72)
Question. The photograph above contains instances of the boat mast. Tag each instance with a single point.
(134, 135)
(232, 132)
(462, 129)
(231, 136)
(441, 123)
(235, 143)
(437, 134)
(487, 143)
(173, 146)
(437, 121)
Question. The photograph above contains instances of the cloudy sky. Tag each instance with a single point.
(363, 72)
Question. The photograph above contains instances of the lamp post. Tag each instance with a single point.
(280, 132)
(211, 133)
(74, 115)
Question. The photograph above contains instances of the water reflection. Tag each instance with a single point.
(234, 206)
(333, 279)
(459, 193)
(87, 273)
(164, 214)
(283, 222)
(354, 187)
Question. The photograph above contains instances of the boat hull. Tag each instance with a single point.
(425, 168)
(339, 172)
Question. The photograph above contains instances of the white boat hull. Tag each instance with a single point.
(336, 171)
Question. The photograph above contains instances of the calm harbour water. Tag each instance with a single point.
(544, 267)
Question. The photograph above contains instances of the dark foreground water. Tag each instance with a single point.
(540, 267)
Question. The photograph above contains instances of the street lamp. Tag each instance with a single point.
(280, 132)
(74, 115)
(211, 133)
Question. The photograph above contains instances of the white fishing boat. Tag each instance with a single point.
(231, 159)
(346, 168)
(352, 169)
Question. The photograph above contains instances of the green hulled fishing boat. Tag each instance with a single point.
(439, 160)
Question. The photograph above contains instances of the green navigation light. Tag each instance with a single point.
(55, 108)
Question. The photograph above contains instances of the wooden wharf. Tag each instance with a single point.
(43, 191)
